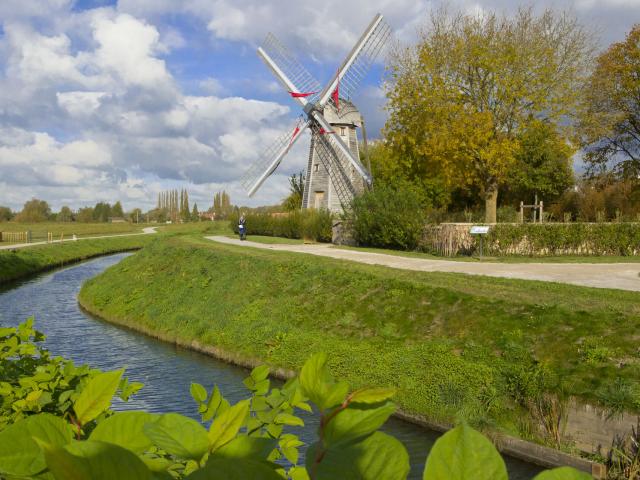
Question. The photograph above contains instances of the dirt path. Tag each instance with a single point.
(623, 276)
(145, 231)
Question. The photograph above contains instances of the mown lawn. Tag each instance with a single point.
(19, 263)
(453, 345)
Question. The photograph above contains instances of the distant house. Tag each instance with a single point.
(207, 216)
(117, 220)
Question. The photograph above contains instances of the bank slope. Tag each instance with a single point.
(454, 346)
(20, 263)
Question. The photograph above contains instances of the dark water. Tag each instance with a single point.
(166, 370)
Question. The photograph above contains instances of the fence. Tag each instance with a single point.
(15, 237)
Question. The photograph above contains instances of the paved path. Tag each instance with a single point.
(622, 276)
(145, 231)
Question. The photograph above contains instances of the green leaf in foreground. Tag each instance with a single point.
(353, 423)
(125, 429)
(372, 395)
(378, 456)
(247, 448)
(318, 384)
(96, 396)
(20, 455)
(463, 453)
(562, 473)
(178, 435)
(96, 461)
(227, 425)
(198, 392)
(232, 469)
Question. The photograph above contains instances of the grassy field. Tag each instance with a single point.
(478, 349)
(39, 230)
(19, 263)
(505, 259)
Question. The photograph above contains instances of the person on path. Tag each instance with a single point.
(242, 227)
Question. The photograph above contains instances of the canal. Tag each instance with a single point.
(166, 370)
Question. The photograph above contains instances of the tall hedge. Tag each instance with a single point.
(311, 224)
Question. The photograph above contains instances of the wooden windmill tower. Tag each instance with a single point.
(334, 174)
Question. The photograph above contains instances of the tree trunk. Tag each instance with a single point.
(490, 203)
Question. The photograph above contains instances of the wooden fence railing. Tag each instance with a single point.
(15, 237)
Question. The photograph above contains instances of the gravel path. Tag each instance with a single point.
(623, 276)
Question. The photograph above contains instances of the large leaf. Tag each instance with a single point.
(178, 435)
(198, 392)
(232, 469)
(318, 385)
(227, 425)
(96, 461)
(372, 395)
(378, 456)
(563, 473)
(463, 453)
(20, 455)
(353, 423)
(96, 396)
(247, 447)
(125, 429)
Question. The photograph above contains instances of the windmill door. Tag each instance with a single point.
(318, 200)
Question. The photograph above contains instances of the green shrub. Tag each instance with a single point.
(389, 216)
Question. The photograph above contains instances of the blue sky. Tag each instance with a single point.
(117, 100)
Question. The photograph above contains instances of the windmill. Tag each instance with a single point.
(333, 157)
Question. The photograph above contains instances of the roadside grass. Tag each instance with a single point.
(501, 259)
(39, 230)
(453, 346)
(19, 263)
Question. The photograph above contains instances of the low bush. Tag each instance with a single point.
(389, 216)
(309, 223)
(248, 440)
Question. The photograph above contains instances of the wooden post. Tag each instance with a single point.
(521, 212)
(541, 210)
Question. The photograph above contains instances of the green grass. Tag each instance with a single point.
(19, 263)
(39, 230)
(447, 343)
(506, 259)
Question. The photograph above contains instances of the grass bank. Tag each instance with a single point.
(480, 349)
(19, 263)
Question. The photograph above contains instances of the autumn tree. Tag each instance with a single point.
(459, 99)
(65, 214)
(610, 122)
(5, 214)
(34, 211)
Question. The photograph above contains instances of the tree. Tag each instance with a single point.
(296, 190)
(117, 211)
(459, 99)
(65, 215)
(85, 215)
(195, 215)
(5, 214)
(543, 164)
(136, 216)
(101, 212)
(610, 121)
(185, 215)
(34, 211)
(222, 205)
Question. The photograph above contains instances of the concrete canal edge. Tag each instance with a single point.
(512, 446)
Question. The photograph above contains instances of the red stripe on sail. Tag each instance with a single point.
(301, 94)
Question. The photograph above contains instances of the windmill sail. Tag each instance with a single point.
(270, 159)
(306, 86)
